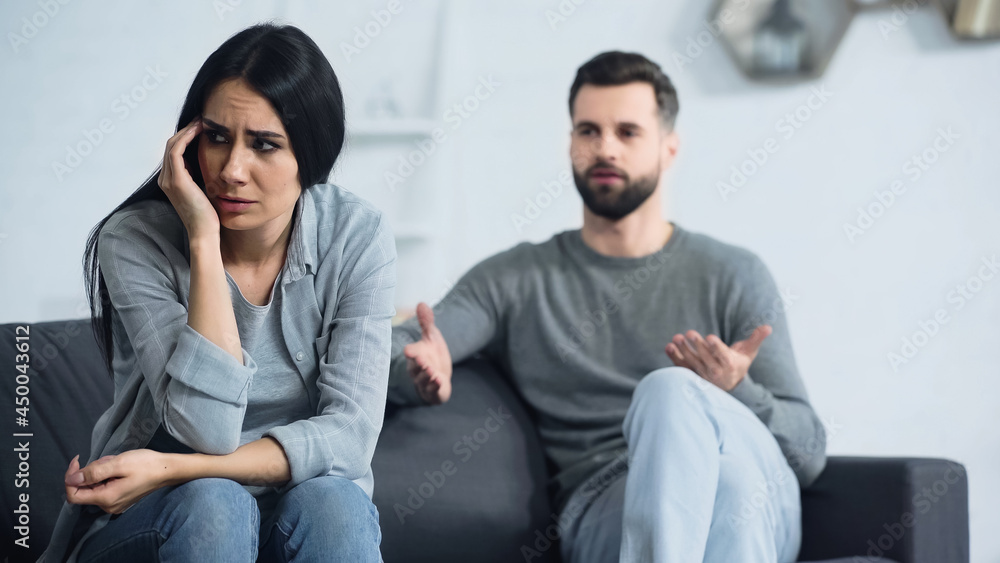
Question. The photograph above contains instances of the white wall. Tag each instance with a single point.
(854, 301)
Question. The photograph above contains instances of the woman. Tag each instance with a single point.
(244, 309)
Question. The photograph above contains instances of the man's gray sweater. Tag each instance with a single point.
(576, 330)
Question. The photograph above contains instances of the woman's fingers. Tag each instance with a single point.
(188, 132)
(94, 473)
(114, 483)
(74, 466)
(174, 168)
(182, 140)
(102, 495)
(188, 198)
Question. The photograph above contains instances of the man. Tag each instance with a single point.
(657, 360)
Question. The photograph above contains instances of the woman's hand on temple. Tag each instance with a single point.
(191, 203)
(116, 482)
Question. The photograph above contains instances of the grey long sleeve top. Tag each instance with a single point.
(576, 330)
(337, 291)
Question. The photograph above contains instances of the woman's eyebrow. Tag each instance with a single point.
(251, 132)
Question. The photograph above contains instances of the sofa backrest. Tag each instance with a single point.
(466, 480)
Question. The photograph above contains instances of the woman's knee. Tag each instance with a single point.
(325, 515)
(336, 501)
(217, 503)
(204, 519)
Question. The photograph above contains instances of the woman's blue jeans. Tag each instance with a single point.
(323, 519)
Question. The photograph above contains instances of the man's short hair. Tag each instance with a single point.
(615, 68)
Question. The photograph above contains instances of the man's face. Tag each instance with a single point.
(619, 147)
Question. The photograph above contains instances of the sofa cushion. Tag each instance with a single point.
(464, 481)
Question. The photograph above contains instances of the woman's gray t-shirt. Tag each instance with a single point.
(277, 394)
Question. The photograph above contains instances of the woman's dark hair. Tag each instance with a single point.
(615, 68)
(285, 66)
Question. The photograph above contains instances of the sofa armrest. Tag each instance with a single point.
(911, 510)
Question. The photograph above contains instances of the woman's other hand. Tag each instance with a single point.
(116, 482)
(191, 203)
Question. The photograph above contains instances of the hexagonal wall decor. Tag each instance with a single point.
(972, 19)
(782, 40)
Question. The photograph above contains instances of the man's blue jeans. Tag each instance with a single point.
(322, 519)
(704, 481)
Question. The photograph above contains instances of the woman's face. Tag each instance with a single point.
(246, 159)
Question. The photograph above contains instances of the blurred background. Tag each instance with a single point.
(851, 152)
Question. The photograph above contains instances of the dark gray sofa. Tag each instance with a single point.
(440, 499)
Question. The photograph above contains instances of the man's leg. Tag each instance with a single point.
(595, 534)
(201, 520)
(707, 480)
(323, 519)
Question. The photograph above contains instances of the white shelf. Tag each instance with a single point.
(417, 211)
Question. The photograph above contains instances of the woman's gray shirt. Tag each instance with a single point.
(336, 294)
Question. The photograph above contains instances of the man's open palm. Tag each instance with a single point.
(709, 357)
(428, 361)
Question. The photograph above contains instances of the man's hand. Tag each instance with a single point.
(428, 361)
(116, 482)
(710, 358)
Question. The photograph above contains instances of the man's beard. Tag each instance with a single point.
(605, 201)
